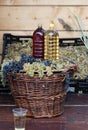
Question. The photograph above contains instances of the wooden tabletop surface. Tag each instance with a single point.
(75, 116)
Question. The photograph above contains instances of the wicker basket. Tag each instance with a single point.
(42, 97)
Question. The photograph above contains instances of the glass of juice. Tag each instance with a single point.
(19, 118)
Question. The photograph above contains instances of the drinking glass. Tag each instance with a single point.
(19, 118)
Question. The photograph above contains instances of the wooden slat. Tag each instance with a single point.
(43, 2)
(27, 18)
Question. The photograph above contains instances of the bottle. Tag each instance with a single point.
(51, 44)
(38, 42)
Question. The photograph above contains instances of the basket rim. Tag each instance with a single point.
(25, 77)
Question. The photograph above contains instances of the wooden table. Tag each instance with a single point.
(75, 116)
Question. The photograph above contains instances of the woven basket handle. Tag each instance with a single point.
(71, 69)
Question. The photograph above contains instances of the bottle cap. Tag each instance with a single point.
(51, 25)
(39, 25)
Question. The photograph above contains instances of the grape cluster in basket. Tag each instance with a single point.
(30, 65)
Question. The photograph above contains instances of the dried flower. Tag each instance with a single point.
(84, 37)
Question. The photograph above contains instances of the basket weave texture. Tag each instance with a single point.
(43, 97)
